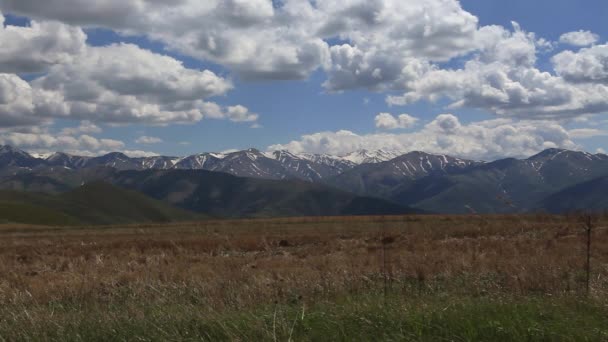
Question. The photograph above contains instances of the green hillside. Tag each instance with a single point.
(94, 203)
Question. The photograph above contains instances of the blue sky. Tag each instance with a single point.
(289, 108)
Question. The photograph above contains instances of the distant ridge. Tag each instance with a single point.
(246, 163)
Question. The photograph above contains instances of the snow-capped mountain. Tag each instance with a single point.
(432, 182)
(419, 164)
(329, 160)
(361, 168)
(370, 157)
(67, 160)
(311, 167)
(252, 163)
(380, 177)
(203, 161)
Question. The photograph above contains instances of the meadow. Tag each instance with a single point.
(413, 278)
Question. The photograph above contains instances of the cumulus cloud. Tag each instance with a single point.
(393, 42)
(119, 83)
(503, 79)
(264, 39)
(251, 37)
(388, 121)
(38, 46)
(44, 142)
(123, 83)
(579, 38)
(582, 133)
(487, 140)
(240, 114)
(57, 142)
(586, 65)
(148, 140)
(353, 68)
(396, 46)
(16, 102)
(86, 127)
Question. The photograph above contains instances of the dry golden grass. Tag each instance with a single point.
(236, 264)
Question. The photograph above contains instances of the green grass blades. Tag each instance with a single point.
(360, 318)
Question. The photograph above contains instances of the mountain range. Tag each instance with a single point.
(246, 163)
(553, 180)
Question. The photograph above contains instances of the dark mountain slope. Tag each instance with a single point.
(503, 186)
(381, 179)
(54, 180)
(221, 194)
(591, 195)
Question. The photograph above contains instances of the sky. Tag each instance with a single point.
(475, 79)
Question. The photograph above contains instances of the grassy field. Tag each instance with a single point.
(418, 278)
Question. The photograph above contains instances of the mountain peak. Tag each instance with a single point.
(547, 154)
(563, 154)
(9, 149)
(281, 154)
(57, 155)
(114, 156)
(363, 156)
(16, 157)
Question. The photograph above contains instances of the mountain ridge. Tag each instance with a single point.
(425, 181)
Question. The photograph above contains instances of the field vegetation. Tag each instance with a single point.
(419, 278)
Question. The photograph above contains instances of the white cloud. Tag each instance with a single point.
(56, 142)
(16, 102)
(251, 37)
(123, 83)
(86, 127)
(240, 114)
(586, 65)
(38, 46)
(46, 142)
(148, 140)
(380, 45)
(435, 30)
(503, 80)
(579, 38)
(117, 84)
(388, 121)
(354, 68)
(487, 140)
(582, 133)
(133, 153)
(392, 42)
(263, 39)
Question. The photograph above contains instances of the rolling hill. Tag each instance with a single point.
(94, 203)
